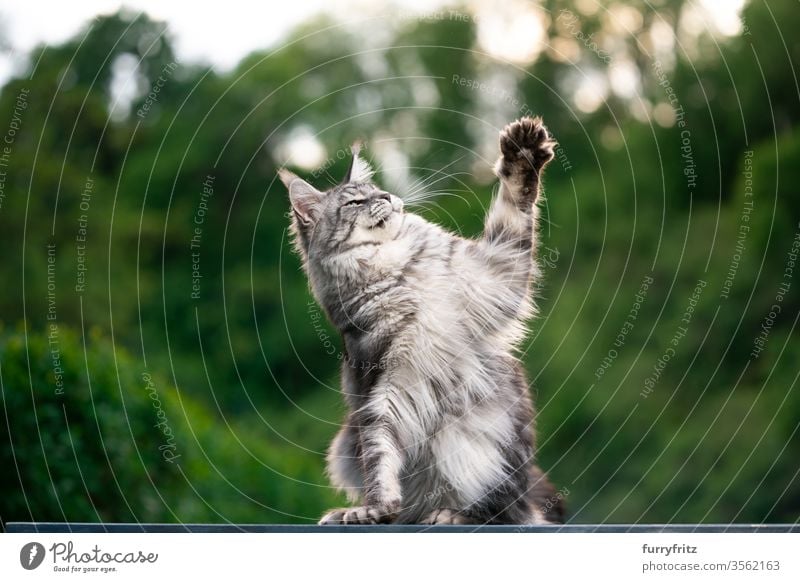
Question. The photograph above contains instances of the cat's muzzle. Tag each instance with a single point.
(380, 211)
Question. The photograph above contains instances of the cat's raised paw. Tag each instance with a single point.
(446, 517)
(363, 515)
(525, 144)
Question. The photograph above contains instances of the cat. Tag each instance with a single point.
(440, 422)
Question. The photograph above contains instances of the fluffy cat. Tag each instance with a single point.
(440, 423)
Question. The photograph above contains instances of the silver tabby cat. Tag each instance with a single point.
(440, 423)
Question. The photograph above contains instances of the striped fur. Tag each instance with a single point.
(440, 422)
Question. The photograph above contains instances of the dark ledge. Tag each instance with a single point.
(55, 527)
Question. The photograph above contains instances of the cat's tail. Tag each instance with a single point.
(547, 503)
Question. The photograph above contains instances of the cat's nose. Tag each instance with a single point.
(384, 196)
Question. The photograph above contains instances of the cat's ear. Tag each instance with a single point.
(359, 171)
(304, 197)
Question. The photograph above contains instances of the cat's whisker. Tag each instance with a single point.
(441, 194)
(423, 183)
(431, 181)
(423, 190)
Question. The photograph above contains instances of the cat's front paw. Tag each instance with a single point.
(446, 517)
(363, 515)
(525, 145)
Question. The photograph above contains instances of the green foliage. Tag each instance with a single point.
(90, 435)
(81, 444)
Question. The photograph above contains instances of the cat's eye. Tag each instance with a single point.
(356, 202)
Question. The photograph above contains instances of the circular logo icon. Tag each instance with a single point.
(31, 555)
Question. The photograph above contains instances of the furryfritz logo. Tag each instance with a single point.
(31, 555)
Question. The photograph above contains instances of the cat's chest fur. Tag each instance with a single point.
(417, 294)
(401, 305)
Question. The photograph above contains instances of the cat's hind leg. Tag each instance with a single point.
(447, 516)
(547, 503)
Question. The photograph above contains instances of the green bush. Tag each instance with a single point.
(116, 444)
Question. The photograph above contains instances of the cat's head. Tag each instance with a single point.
(355, 212)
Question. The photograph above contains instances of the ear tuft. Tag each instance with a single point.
(360, 170)
(304, 197)
(286, 176)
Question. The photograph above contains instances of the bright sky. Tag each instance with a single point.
(217, 32)
(223, 32)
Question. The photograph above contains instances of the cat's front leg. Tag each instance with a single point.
(525, 147)
(382, 461)
(362, 515)
(382, 495)
(508, 244)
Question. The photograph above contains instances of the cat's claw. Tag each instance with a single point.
(363, 515)
(525, 144)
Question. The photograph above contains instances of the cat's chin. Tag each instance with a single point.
(387, 215)
(382, 222)
(391, 219)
